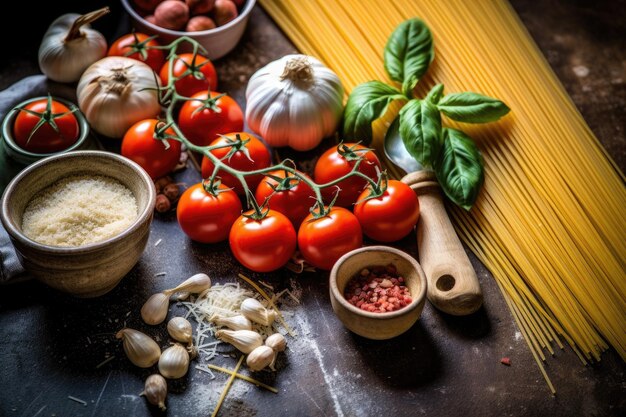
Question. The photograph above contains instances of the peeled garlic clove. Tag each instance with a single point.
(155, 391)
(154, 310)
(254, 310)
(174, 362)
(277, 342)
(139, 347)
(244, 340)
(237, 322)
(194, 284)
(260, 358)
(180, 330)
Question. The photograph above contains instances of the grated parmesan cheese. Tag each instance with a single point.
(79, 210)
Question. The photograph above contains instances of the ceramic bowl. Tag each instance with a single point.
(15, 152)
(217, 42)
(90, 270)
(378, 326)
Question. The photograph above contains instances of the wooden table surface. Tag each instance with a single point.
(51, 344)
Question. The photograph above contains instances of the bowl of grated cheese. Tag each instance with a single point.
(79, 221)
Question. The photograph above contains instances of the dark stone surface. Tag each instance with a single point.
(51, 344)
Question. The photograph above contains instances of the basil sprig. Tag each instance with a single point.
(452, 154)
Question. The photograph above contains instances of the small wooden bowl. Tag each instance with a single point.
(378, 326)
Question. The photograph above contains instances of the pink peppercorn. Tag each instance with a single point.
(378, 289)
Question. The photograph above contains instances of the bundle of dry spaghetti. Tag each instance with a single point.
(551, 219)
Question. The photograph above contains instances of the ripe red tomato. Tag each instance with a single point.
(44, 138)
(294, 202)
(391, 216)
(139, 46)
(140, 145)
(202, 120)
(337, 162)
(201, 74)
(258, 158)
(324, 240)
(263, 245)
(205, 217)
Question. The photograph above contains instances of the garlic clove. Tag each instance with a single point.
(277, 342)
(238, 322)
(180, 330)
(174, 362)
(260, 358)
(194, 284)
(155, 390)
(139, 347)
(244, 340)
(155, 308)
(254, 310)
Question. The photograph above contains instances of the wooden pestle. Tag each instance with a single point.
(452, 283)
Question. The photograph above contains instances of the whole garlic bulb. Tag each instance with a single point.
(180, 330)
(294, 101)
(69, 46)
(115, 93)
(155, 308)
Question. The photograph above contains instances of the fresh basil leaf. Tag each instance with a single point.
(459, 170)
(435, 94)
(366, 103)
(472, 108)
(420, 129)
(408, 53)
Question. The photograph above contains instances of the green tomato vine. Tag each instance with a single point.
(170, 99)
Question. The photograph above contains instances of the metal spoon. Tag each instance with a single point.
(452, 283)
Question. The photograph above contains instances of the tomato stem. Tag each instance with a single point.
(170, 98)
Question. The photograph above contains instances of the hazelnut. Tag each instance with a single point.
(224, 11)
(172, 14)
(198, 23)
(200, 6)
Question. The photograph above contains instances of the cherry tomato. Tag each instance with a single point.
(58, 129)
(324, 240)
(337, 162)
(202, 120)
(263, 245)
(139, 46)
(201, 74)
(141, 145)
(205, 217)
(258, 158)
(391, 216)
(293, 202)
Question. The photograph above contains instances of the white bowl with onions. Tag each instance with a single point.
(217, 42)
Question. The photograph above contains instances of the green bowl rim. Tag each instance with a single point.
(7, 131)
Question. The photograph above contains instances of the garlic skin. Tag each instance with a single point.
(154, 310)
(260, 358)
(116, 92)
(69, 46)
(155, 391)
(254, 310)
(238, 322)
(277, 342)
(244, 340)
(294, 101)
(174, 362)
(140, 349)
(180, 330)
(195, 284)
